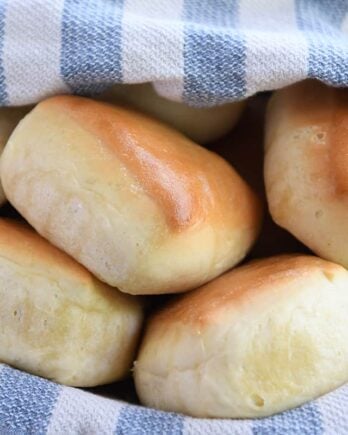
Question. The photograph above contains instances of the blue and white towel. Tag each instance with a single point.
(204, 52)
(31, 405)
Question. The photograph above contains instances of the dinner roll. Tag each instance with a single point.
(141, 206)
(306, 166)
(56, 319)
(9, 118)
(261, 339)
(202, 125)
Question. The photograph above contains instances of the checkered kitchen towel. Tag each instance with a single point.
(204, 52)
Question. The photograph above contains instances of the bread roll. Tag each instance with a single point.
(9, 118)
(56, 319)
(261, 339)
(141, 206)
(202, 125)
(306, 166)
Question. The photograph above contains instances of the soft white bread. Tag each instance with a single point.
(56, 319)
(261, 339)
(202, 125)
(140, 205)
(9, 118)
(306, 166)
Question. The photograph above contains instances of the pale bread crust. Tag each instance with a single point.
(261, 339)
(57, 320)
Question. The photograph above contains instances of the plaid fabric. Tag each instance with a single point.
(204, 52)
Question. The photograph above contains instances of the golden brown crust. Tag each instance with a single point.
(238, 287)
(312, 104)
(338, 140)
(127, 197)
(185, 185)
(25, 244)
(202, 125)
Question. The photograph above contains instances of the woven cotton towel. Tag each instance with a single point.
(31, 405)
(204, 52)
